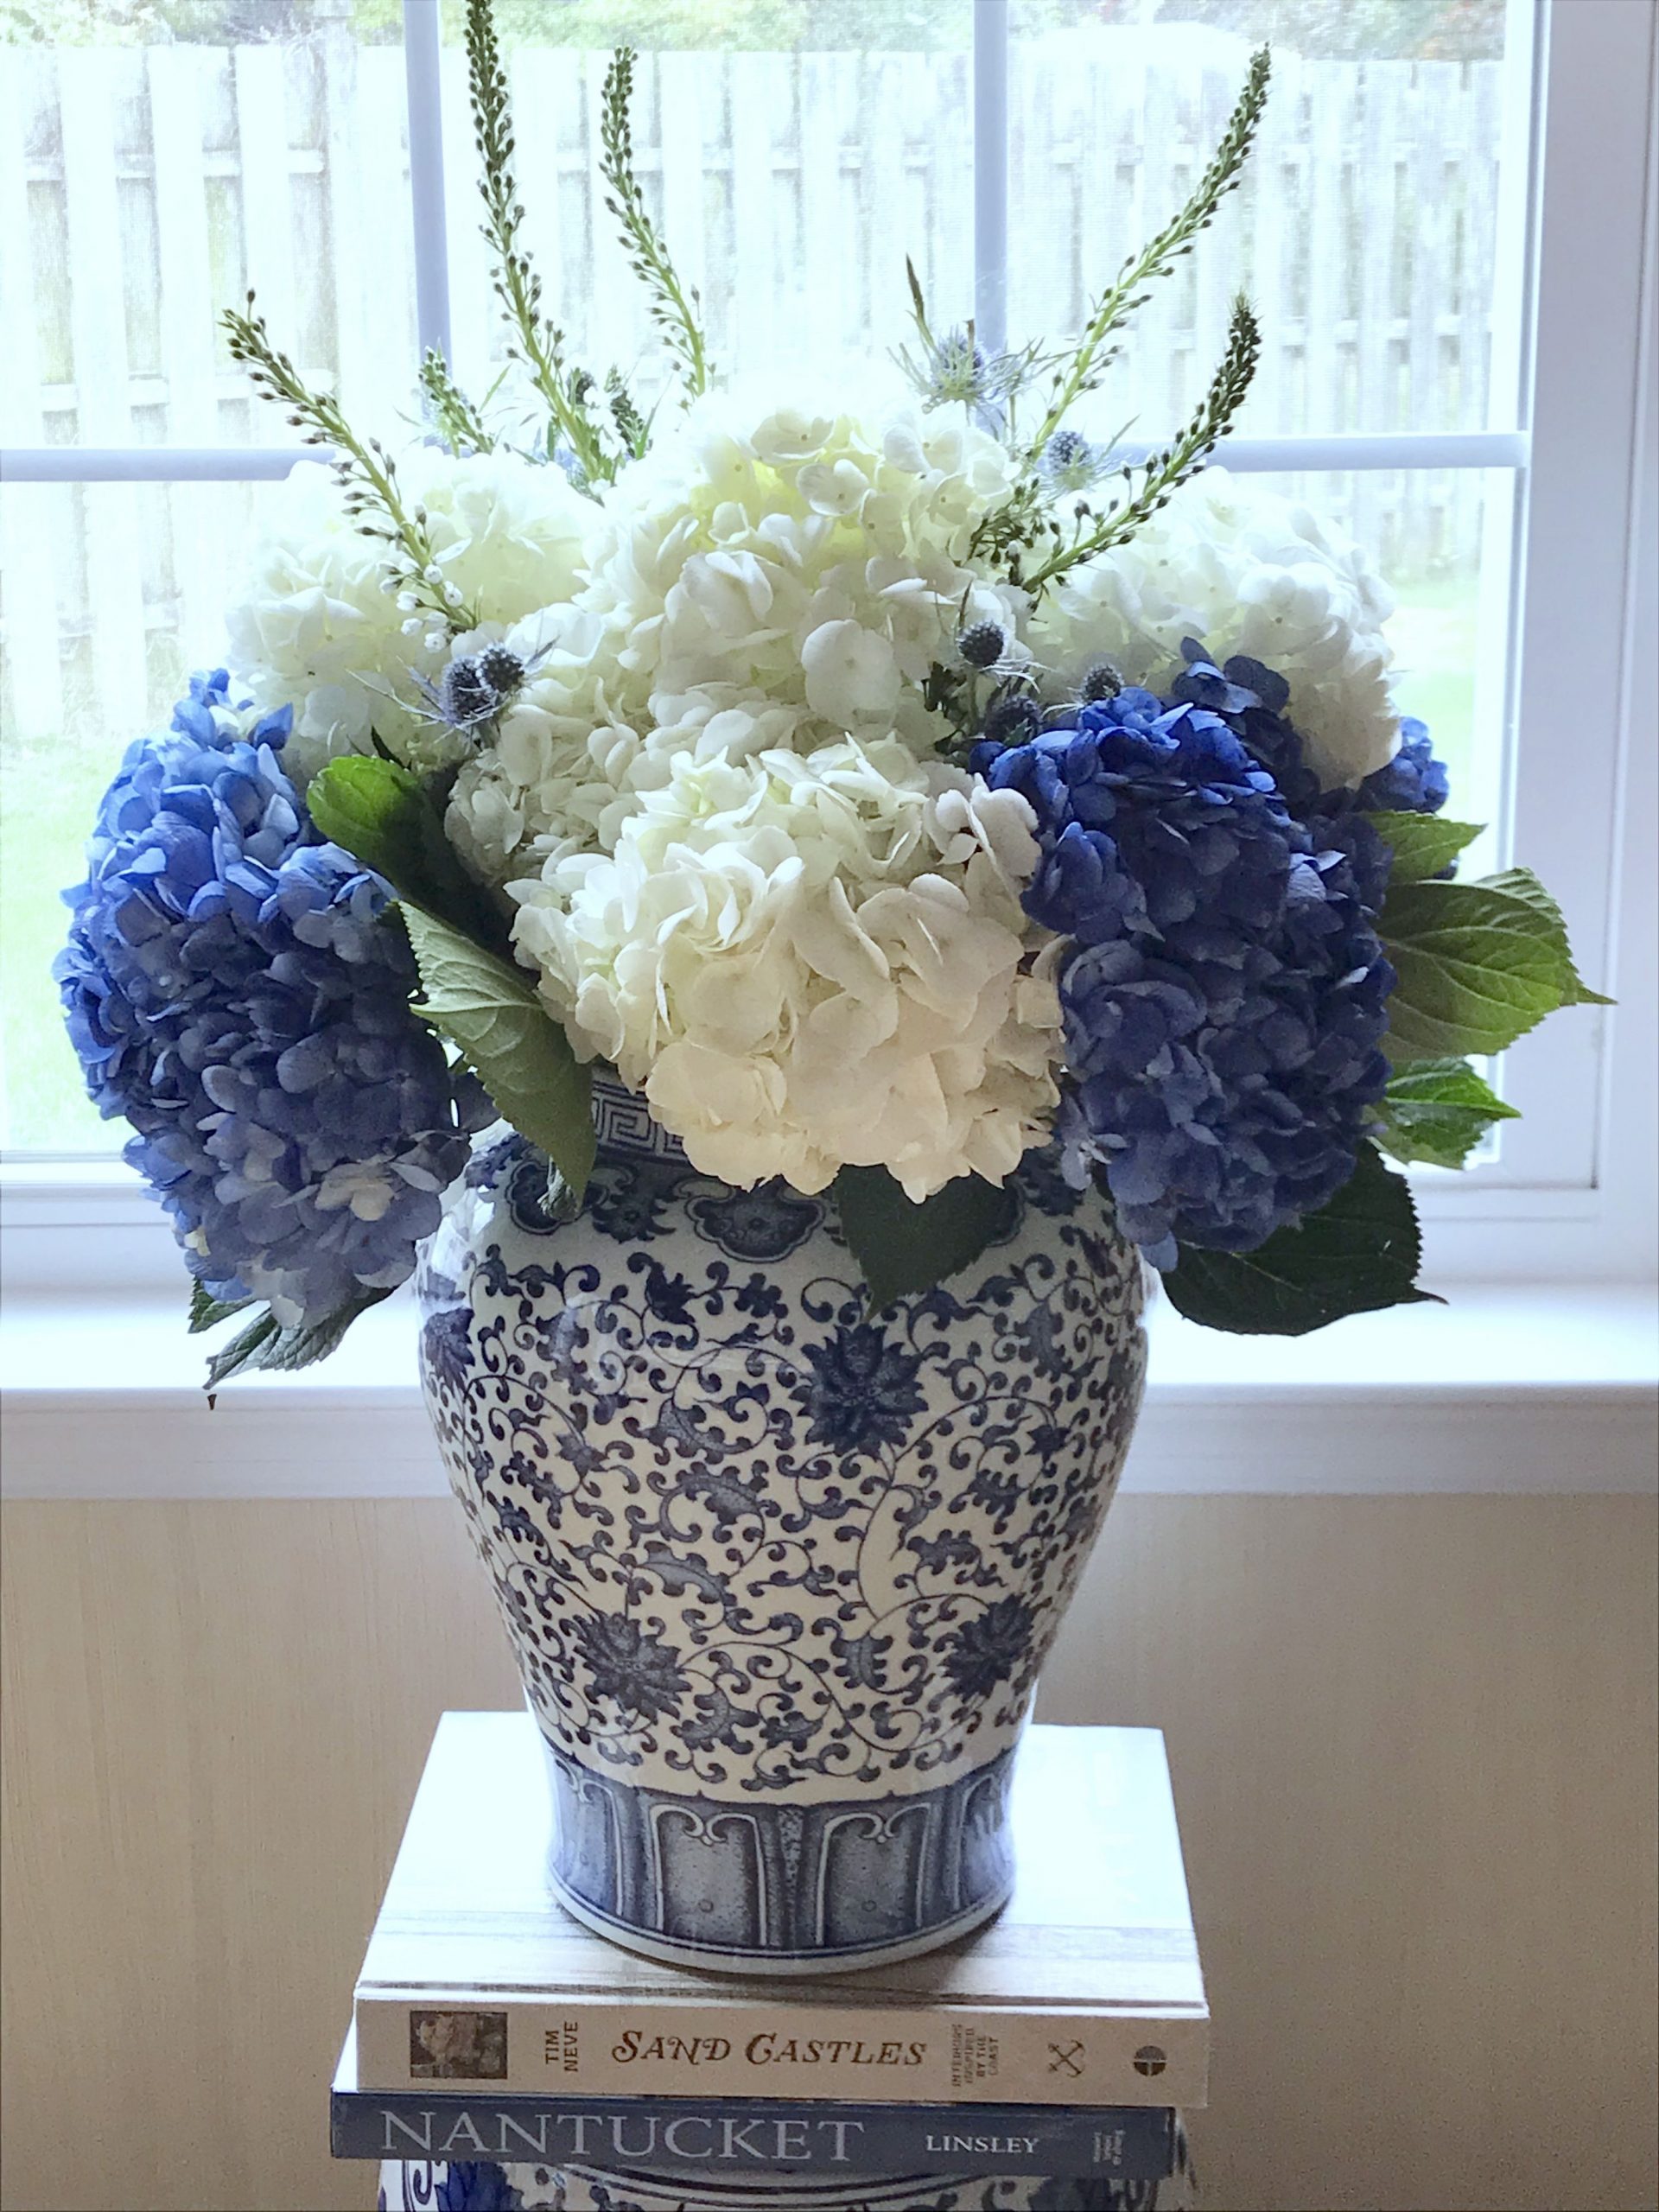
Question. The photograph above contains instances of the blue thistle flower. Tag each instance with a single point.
(502, 669)
(958, 372)
(464, 695)
(982, 645)
(1102, 679)
(232, 986)
(1071, 463)
(955, 371)
(1012, 717)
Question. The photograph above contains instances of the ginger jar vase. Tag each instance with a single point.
(778, 1573)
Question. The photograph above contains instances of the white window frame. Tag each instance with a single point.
(1572, 1194)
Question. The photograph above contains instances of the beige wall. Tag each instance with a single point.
(1413, 1744)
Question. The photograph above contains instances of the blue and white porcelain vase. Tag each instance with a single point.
(420, 2187)
(780, 1574)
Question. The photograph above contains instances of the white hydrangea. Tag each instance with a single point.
(311, 625)
(1248, 572)
(817, 559)
(782, 583)
(567, 770)
(805, 961)
(558, 764)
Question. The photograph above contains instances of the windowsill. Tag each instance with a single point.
(1529, 1388)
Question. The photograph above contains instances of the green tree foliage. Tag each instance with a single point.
(1433, 30)
(1339, 30)
(766, 26)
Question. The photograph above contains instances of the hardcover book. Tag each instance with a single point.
(740, 2138)
(1085, 1991)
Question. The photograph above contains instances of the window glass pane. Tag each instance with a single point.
(111, 594)
(156, 160)
(1372, 229)
(794, 151)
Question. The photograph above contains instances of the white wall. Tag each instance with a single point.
(1412, 1742)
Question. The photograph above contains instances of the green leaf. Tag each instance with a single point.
(1423, 845)
(1359, 1253)
(380, 812)
(903, 1246)
(489, 1010)
(242, 1351)
(266, 1345)
(1439, 1110)
(1479, 965)
(1521, 883)
(206, 1311)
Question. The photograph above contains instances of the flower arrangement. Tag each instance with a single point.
(882, 798)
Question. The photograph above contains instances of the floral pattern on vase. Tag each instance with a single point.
(420, 2186)
(779, 1573)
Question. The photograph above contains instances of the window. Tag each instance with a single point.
(1442, 230)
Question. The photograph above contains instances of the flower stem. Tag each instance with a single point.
(673, 307)
(453, 415)
(538, 343)
(1119, 301)
(366, 471)
(1183, 457)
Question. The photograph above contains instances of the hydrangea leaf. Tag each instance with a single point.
(1357, 1254)
(266, 1345)
(1423, 845)
(490, 1013)
(1438, 1111)
(206, 1311)
(1479, 965)
(1521, 883)
(380, 812)
(903, 1246)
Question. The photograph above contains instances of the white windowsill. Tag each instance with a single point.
(1530, 1388)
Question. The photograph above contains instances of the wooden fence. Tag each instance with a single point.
(141, 188)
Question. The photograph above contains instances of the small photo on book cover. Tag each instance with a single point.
(458, 2046)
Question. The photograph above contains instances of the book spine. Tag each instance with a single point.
(671, 2136)
(898, 2055)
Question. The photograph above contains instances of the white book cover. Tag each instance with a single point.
(1085, 1989)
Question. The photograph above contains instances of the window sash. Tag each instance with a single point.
(1356, 449)
(1583, 124)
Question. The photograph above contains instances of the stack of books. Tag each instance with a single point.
(1050, 2051)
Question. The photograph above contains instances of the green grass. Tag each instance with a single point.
(1432, 632)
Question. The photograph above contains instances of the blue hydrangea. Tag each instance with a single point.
(1414, 782)
(1253, 701)
(231, 988)
(1224, 994)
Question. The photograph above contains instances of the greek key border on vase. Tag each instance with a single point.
(623, 1123)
